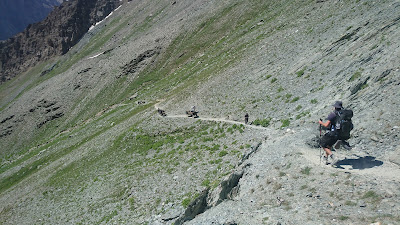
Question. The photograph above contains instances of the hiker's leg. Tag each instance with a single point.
(326, 144)
(328, 151)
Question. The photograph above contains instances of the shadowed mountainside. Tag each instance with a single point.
(53, 36)
(16, 15)
(81, 140)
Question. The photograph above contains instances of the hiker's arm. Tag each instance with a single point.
(326, 124)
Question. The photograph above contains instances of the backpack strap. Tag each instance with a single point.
(336, 123)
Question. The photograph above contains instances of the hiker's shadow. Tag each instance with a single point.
(360, 163)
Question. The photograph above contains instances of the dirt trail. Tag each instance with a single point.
(367, 165)
(350, 162)
(156, 106)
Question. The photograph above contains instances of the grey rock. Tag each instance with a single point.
(374, 138)
(198, 206)
(171, 215)
(29, 47)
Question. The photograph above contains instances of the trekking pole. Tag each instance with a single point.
(320, 137)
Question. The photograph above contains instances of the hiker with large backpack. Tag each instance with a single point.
(339, 125)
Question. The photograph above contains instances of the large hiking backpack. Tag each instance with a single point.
(343, 124)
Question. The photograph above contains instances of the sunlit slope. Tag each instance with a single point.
(83, 139)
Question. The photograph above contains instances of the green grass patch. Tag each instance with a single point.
(262, 122)
(372, 197)
(355, 76)
(285, 123)
(186, 202)
(303, 114)
(206, 183)
(306, 170)
(303, 187)
(108, 217)
(295, 99)
(350, 203)
(370, 194)
(342, 218)
(144, 25)
(300, 73)
(222, 153)
(217, 161)
(72, 168)
(33, 167)
(363, 86)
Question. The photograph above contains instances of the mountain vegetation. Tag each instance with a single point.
(82, 142)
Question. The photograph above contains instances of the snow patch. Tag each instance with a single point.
(92, 57)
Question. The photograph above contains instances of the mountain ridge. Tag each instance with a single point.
(52, 37)
(85, 144)
(17, 15)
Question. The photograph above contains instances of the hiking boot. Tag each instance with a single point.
(326, 160)
(346, 145)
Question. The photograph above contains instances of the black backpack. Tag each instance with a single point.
(343, 124)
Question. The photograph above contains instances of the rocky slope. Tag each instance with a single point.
(82, 141)
(15, 16)
(53, 36)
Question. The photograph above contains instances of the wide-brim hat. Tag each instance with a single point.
(338, 105)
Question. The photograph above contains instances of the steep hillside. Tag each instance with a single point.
(15, 16)
(82, 143)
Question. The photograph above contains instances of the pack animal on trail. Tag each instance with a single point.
(193, 114)
(161, 112)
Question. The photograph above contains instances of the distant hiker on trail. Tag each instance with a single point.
(339, 125)
(193, 109)
(246, 118)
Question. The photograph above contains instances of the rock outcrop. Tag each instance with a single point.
(55, 35)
